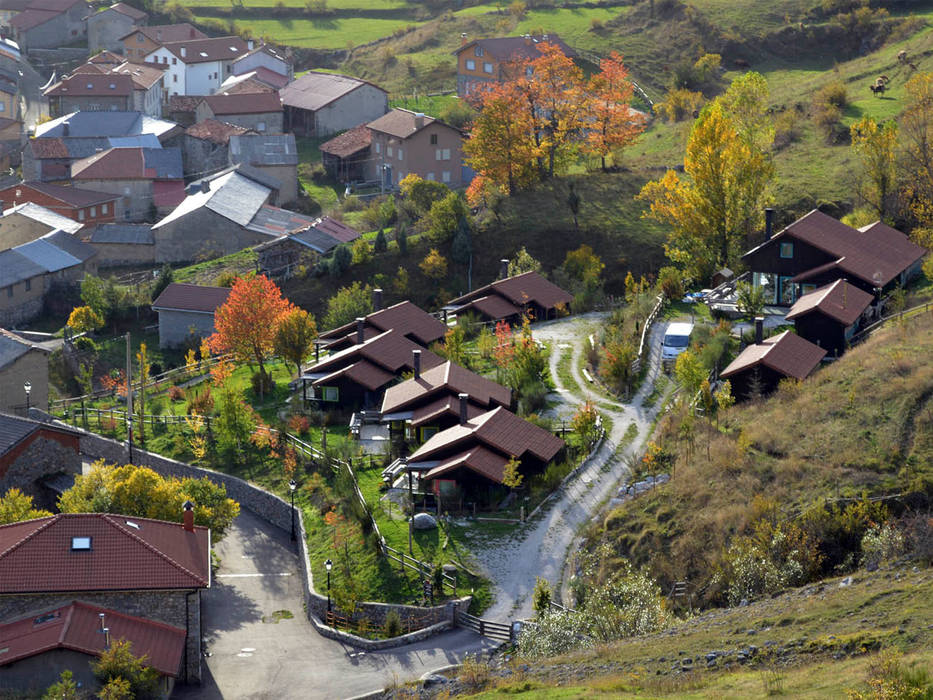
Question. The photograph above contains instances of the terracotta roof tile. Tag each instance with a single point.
(220, 48)
(72, 196)
(509, 48)
(48, 148)
(244, 103)
(105, 84)
(402, 123)
(162, 33)
(191, 297)
(787, 354)
(215, 131)
(349, 142)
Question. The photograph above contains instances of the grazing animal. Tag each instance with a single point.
(877, 88)
(883, 79)
(902, 56)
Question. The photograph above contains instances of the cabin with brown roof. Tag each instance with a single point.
(440, 398)
(356, 377)
(138, 566)
(466, 463)
(481, 62)
(760, 367)
(513, 298)
(186, 312)
(406, 318)
(817, 250)
(345, 155)
(831, 315)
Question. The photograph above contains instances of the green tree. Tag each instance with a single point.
(461, 250)
(876, 147)
(119, 662)
(347, 304)
(380, 245)
(16, 506)
(584, 423)
(117, 688)
(165, 278)
(690, 372)
(445, 218)
(422, 193)
(341, 260)
(400, 283)
(671, 282)
(541, 597)
(522, 262)
(750, 299)
(453, 345)
(143, 367)
(84, 319)
(65, 689)
(294, 337)
(362, 251)
(401, 238)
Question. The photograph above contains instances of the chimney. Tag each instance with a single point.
(205, 186)
(377, 299)
(159, 34)
(419, 120)
(189, 516)
(463, 39)
(107, 637)
(249, 45)
(184, 52)
(66, 127)
(503, 269)
(102, 625)
(416, 362)
(464, 402)
(769, 223)
(360, 325)
(527, 39)
(759, 330)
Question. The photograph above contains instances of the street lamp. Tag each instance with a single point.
(328, 565)
(129, 436)
(292, 485)
(27, 387)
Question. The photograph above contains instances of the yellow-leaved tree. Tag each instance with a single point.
(875, 144)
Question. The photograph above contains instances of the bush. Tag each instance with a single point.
(881, 543)
(261, 383)
(200, 403)
(680, 104)
(671, 282)
(85, 344)
(458, 114)
(541, 597)
(473, 672)
(226, 278)
(299, 424)
(393, 624)
(176, 393)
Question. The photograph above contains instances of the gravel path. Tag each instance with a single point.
(541, 547)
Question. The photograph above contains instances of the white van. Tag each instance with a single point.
(676, 340)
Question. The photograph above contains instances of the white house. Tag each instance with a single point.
(199, 66)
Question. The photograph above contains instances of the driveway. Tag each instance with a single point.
(251, 655)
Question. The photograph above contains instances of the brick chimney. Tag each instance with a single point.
(503, 269)
(416, 363)
(377, 299)
(189, 516)
(419, 120)
(360, 326)
(463, 39)
(759, 330)
(464, 402)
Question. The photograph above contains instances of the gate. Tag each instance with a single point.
(499, 631)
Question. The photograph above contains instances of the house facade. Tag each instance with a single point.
(32, 452)
(27, 221)
(276, 155)
(120, 244)
(198, 66)
(186, 312)
(141, 41)
(81, 92)
(405, 142)
(21, 361)
(321, 104)
(258, 111)
(482, 62)
(106, 29)
(49, 24)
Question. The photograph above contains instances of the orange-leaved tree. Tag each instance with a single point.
(247, 321)
(612, 124)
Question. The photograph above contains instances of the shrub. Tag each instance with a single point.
(596, 24)
(393, 624)
(176, 393)
(889, 678)
(362, 251)
(85, 344)
(541, 597)
(671, 282)
(299, 424)
(786, 129)
(474, 673)
(226, 278)
(680, 104)
(200, 403)
(881, 543)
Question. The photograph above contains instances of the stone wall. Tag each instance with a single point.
(44, 457)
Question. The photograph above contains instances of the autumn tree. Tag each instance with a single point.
(422, 193)
(83, 319)
(511, 476)
(690, 372)
(16, 506)
(295, 336)
(434, 265)
(585, 423)
(247, 321)
(118, 662)
(347, 304)
(916, 140)
(523, 262)
(612, 124)
(875, 145)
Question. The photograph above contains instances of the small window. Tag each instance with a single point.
(429, 176)
(80, 214)
(19, 193)
(478, 51)
(330, 393)
(165, 59)
(446, 154)
(174, 61)
(175, 78)
(787, 250)
(400, 156)
(126, 191)
(389, 151)
(93, 212)
(2, 106)
(470, 64)
(104, 208)
(487, 67)
(428, 432)
(261, 126)
(28, 285)
(139, 38)
(445, 176)
(433, 139)
(80, 544)
(378, 147)
(9, 291)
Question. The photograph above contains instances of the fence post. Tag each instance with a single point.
(482, 627)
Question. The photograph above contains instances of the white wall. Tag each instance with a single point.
(174, 78)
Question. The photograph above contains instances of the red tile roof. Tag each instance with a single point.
(786, 354)
(36, 556)
(445, 380)
(244, 103)
(220, 48)
(183, 103)
(78, 627)
(403, 123)
(508, 48)
(349, 142)
(72, 196)
(191, 297)
(215, 131)
(102, 85)
(840, 301)
(48, 148)
(107, 57)
(162, 33)
(143, 75)
(404, 317)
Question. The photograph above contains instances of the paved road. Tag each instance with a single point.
(541, 548)
(252, 657)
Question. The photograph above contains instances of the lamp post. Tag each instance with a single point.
(27, 387)
(328, 565)
(292, 485)
(129, 436)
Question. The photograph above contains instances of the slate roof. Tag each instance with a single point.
(231, 195)
(262, 79)
(52, 252)
(78, 627)
(324, 234)
(12, 347)
(49, 218)
(221, 48)
(191, 297)
(314, 90)
(446, 380)
(244, 103)
(30, 19)
(71, 196)
(137, 234)
(103, 124)
(517, 291)
(128, 10)
(72, 245)
(130, 164)
(84, 84)
(349, 142)
(162, 33)
(263, 149)
(404, 317)
(840, 301)
(509, 48)
(274, 221)
(36, 556)
(786, 354)
(16, 267)
(449, 405)
(215, 131)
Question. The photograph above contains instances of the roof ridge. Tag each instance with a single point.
(108, 517)
(49, 520)
(119, 613)
(66, 624)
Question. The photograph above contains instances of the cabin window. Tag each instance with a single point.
(433, 139)
(478, 51)
(787, 250)
(471, 64)
(9, 291)
(93, 211)
(378, 147)
(446, 154)
(28, 285)
(81, 215)
(174, 61)
(807, 288)
(768, 283)
(487, 67)
(139, 38)
(330, 393)
(389, 151)
(445, 176)
(400, 154)
(104, 208)
(428, 432)
(430, 176)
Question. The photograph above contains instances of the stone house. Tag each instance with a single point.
(93, 93)
(50, 24)
(148, 86)
(146, 568)
(281, 257)
(484, 61)
(321, 104)
(142, 41)
(267, 64)
(405, 142)
(120, 244)
(37, 458)
(106, 28)
(259, 111)
(345, 155)
(206, 146)
(150, 180)
(186, 312)
(198, 66)
(21, 361)
(27, 221)
(276, 155)
(86, 207)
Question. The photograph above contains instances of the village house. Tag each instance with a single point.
(27, 221)
(321, 104)
(206, 146)
(760, 367)
(88, 92)
(344, 156)
(467, 462)
(276, 155)
(43, 644)
(135, 566)
(20, 361)
(513, 298)
(266, 64)
(87, 207)
(49, 24)
(817, 249)
(482, 62)
(830, 316)
(142, 41)
(405, 318)
(150, 179)
(106, 28)
(148, 86)
(186, 312)
(440, 398)
(120, 244)
(198, 66)
(258, 111)
(281, 257)
(405, 142)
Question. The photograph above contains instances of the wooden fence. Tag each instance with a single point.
(500, 631)
(423, 569)
(636, 363)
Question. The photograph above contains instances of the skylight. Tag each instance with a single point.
(203, 54)
(132, 524)
(80, 544)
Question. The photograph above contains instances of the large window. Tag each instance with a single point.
(428, 432)
(487, 67)
(330, 393)
(768, 283)
(787, 291)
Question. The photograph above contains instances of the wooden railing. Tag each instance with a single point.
(636, 363)
(500, 631)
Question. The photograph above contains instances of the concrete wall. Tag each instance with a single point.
(117, 254)
(176, 327)
(201, 156)
(61, 105)
(104, 30)
(48, 35)
(16, 229)
(201, 235)
(137, 196)
(24, 302)
(363, 105)
(34, 367)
